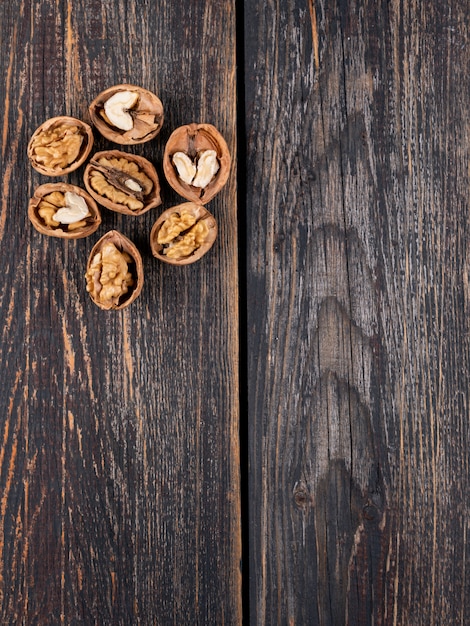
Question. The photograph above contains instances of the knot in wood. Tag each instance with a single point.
(371, 513)
(302, 496)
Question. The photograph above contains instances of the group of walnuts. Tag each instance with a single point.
(196, 163)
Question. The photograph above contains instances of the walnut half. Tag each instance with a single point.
(63, 210)
(123, 182)
(183, 234)
(196, 162)
(114, 276)
(127, 114)
(60, 145)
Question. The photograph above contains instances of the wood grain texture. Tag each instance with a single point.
(357, 300)
(119, 468)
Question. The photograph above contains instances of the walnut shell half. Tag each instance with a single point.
(127, 114)
(122, 182)
(114, 273)
(196, 162)
(60, 145)
(183, 234)
(50, 215)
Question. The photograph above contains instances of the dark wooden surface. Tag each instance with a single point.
(119, 430)
(328, 326)
(358, 301)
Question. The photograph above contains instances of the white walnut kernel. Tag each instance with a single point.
(207, 168)
(199, 172)
(74, 209)
(127, 114)
(207, 150)
(117, 109)
(185, 167)
(132, 185)
(63, 210)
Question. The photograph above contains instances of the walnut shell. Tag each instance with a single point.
(177, 225)
(120, 198)
(60, 145)
(134, 268)
(147, 114)
(192, 140)
(47, 226)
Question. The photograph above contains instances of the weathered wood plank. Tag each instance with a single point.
(119, 466)
(357, 197)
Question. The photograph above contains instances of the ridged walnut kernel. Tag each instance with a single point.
(63, 210)
(60, 145)
(196, 162)
(127, 114)
(183, 234)
(122, 182)
(114, 276)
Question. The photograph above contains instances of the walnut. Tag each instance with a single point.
(127, 114)
(60, 145)
(63, 210)
(114, 275)
(174, 225)
(122, 182)
(201, 171)
(116, 109)
(196, 162)
(183, 234)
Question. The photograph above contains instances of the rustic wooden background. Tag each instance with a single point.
(280, 432)
(358, 305)
(119, 433)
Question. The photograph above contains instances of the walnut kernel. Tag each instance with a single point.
(183, 234)
(116, 109)
(127, 114)
(114, 275)
(60, 145)
(197, 162)
(63, 210)
(198, 172)
(122, 182)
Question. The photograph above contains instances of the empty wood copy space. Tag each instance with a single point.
(278, 433)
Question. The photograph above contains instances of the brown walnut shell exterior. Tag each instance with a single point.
(61, 231)
(124, 245)
(85, 149)
(191, 139)
(151, 201)
(201, 213)
(144, 128)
